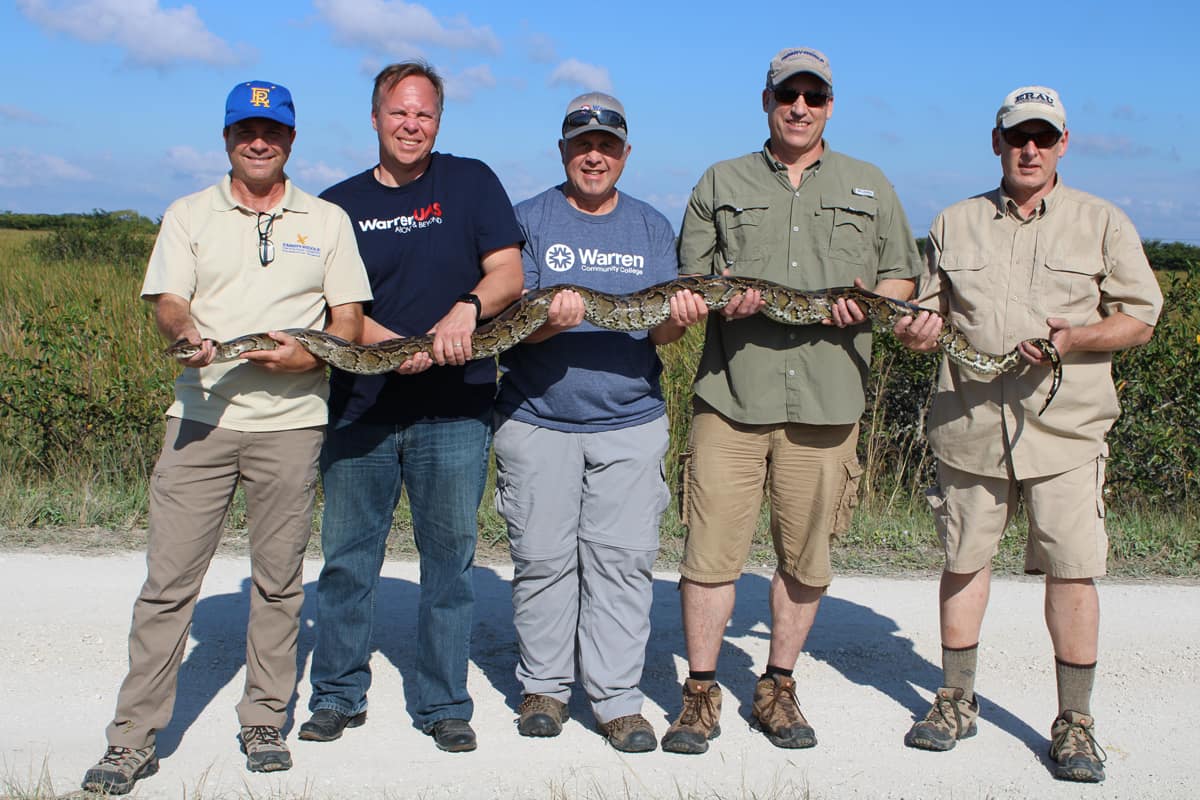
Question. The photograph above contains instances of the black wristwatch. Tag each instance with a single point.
(473, 299)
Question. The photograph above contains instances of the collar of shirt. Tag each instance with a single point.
(294, 201)
(1005, 205)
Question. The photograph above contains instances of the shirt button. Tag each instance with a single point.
(791, 372)
(794, 264)
(797, 194)
(795, 228)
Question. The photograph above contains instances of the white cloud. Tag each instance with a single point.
(17, 114)
(22, 168)
(314, 177)
(1101, 146)
(201, 168)
(150, 36)
(574, 72)
(398, 29)
(464, 84)
(540, 48)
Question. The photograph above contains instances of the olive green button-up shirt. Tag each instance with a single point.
(844, 222)
(998, 277)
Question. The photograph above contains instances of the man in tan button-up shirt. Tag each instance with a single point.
(1032, 258)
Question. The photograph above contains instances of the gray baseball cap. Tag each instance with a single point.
(594, 111)
(1032, 102)
(794, 60)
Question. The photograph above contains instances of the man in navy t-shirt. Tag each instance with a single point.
(580, 439)
(442, 250)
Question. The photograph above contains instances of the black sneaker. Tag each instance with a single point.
(264, 748)
(117, 770)
(327, 724)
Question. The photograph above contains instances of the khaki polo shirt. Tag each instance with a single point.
(207, 253)
(997, 277)
(844, 222)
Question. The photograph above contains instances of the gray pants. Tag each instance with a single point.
(193, 483)
(583, 511)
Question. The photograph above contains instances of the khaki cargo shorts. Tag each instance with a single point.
(1066, 519)
(811, 476)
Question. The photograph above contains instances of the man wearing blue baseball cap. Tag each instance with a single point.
(251, 253)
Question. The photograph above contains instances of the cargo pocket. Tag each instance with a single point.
(849, 499)
(685, 486)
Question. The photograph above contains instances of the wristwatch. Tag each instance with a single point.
(473, 299)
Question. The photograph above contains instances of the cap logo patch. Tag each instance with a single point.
(260, 96)
(815, 56)
(1034, 97)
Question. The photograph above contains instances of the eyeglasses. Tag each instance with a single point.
(266, 249)
(813, 99)
(1043, 139)
(603, 116)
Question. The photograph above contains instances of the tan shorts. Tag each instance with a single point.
(811, 476)
(1066, 519)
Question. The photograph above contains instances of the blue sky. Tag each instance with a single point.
(118, 104)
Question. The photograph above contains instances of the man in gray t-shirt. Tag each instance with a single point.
(581, 432)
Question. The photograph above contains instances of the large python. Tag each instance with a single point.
(631, 312)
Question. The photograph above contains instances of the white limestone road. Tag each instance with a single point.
(870, 667)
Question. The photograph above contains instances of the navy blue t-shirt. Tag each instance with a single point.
(422, 244)
(588, 379)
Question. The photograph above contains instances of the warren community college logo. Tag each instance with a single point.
(560, 257)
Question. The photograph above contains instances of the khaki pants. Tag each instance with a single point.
(190, 492)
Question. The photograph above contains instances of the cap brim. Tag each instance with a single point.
(1014, 118)
(617, 132)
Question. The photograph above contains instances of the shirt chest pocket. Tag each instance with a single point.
(966, 272)
(1069, 285)
(742, 231)
(852, 226)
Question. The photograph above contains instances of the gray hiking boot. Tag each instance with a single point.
(264, 748)
(119, 768)
(1074, 748)
(949, 719)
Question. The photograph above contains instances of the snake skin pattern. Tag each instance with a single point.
(636, 311)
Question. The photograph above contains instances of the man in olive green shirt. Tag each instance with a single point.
(1032, 258)
(778, 406)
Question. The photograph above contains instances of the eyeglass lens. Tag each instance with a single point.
(785, 95)
(266, 248)
(1018, 138)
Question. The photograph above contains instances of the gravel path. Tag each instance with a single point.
(871, 666)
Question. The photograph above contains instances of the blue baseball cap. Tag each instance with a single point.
(260, 99)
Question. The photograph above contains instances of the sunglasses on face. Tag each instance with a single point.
(266, 249)
(603, 116)
(1018, 138)
(786, 96)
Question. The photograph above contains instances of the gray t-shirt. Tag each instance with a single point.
(588, 378)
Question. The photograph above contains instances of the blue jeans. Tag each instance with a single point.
(444, 467)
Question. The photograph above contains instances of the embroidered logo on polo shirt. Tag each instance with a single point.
(301, 247)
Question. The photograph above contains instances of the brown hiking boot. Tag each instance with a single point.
(630, 734)
(1073, 746)
(541, 716)
(699, 721)
(120, 767)
(951, 718)
(777, 714)
(264, 748)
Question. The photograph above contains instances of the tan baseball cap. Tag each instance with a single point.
(594, 111)
(794, 60)
(1032, 102)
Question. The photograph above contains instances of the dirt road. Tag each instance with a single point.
(871, 665)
